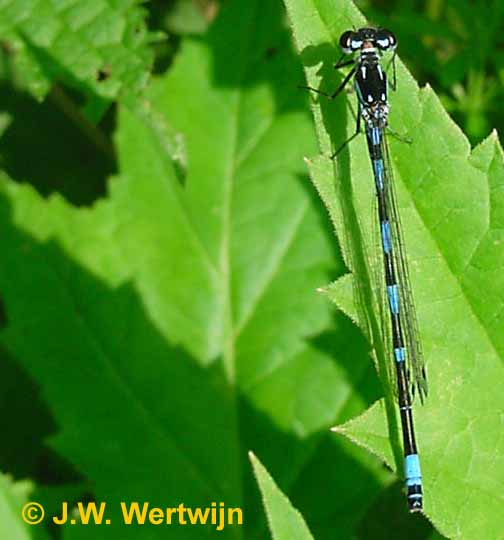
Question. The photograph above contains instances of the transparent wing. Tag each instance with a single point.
(414, 355)
(379, 290)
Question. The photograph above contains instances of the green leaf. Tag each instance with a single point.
(451, 203)
(283, 519)
(370, 431)
(176, 324)
(100, 47)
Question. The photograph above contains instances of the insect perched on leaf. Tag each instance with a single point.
(366, 47)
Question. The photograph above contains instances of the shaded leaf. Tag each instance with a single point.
(284, 520)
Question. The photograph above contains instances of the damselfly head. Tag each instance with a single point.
(367, 38)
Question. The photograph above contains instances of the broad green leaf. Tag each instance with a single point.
(100, 47)
(451, 203)
(176, 323)
(283, 519)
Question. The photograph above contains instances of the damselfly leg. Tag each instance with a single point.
(338, 90)
(352, 137)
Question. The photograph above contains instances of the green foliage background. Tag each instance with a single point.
(162, 248)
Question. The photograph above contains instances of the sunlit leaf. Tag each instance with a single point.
(451, 203)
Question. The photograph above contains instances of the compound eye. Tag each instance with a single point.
(385, 40)
(346, 41)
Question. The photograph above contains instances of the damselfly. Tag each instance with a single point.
(366, 46)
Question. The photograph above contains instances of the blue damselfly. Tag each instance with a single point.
(365, 48)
